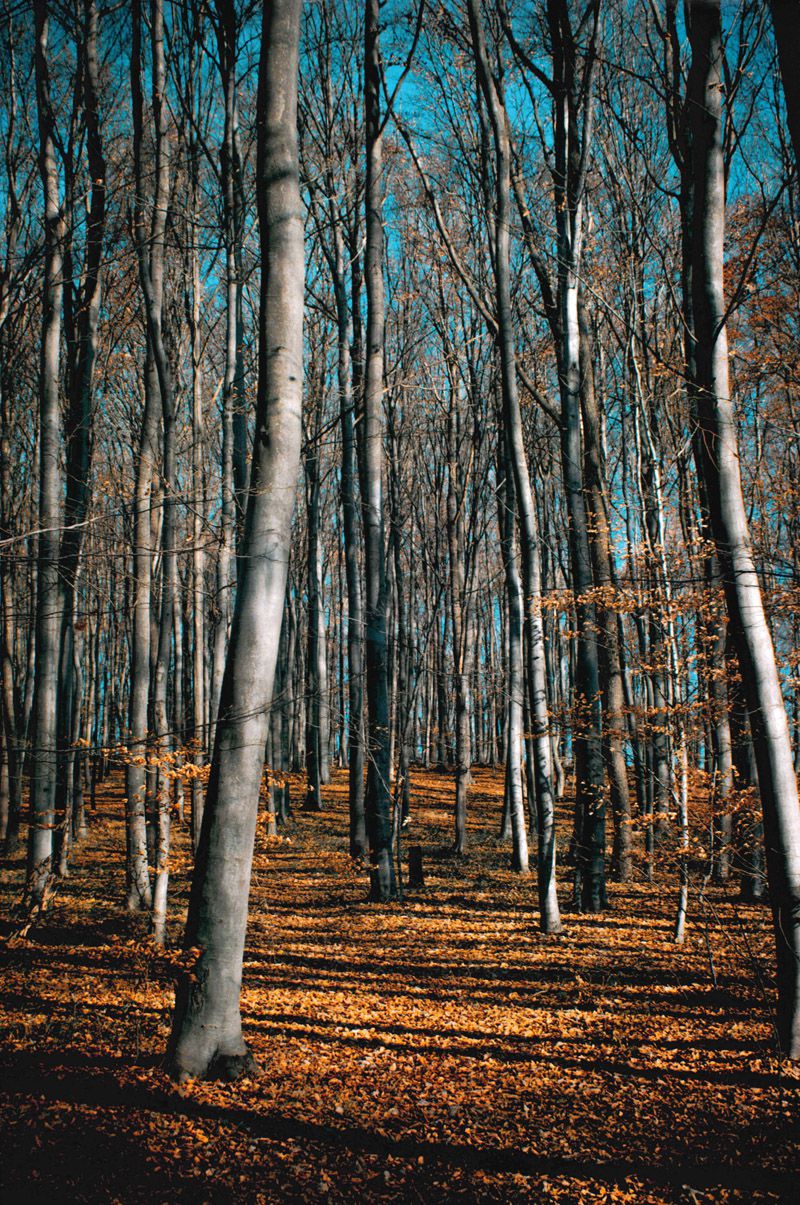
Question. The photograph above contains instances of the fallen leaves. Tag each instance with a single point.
(439, 1050)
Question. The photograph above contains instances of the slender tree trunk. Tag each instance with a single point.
(515, 676)
(550, 919)
(198, 585)
(316, 632)
(83, 329)
(355, 642)
(151, 274)
(462, 652)
(610, 657)
(207, 1032)
(48, 596)
(150, 253)
(377, 805)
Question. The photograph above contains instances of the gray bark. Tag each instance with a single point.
(550, 919)
(48, 597)
(82, 338)
(355, 642)
(207, 1032)
(718, 465)
(514, 804)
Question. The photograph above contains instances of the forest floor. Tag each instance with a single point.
(436, 1050)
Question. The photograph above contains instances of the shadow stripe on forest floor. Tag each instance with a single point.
(101, 1089)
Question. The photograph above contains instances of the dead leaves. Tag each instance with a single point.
(442, 1050)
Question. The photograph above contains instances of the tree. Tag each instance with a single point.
(207, 1033)
(718, 468)
(377, 804)
(516, 459)
(48, 601)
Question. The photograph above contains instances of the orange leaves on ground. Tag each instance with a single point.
(438, 1050)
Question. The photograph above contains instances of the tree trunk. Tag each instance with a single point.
(48, 597)
(316, 632)
(550, 919)
(377, 803)
(718, 466)
(355, 642)
(610, 655)
(514, 810)
(207, 1032)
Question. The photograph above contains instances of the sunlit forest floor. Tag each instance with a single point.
(436, 1050)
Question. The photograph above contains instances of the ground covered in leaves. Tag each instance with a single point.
(441, 1049)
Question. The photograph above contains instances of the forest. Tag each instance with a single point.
(399, 600)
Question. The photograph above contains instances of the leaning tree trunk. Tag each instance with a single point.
(48, 597)
(207, 1031)
(718, 466)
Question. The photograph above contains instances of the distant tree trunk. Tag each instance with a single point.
(48, 597)
(378, 801)
(349, 483)
(207, 1032)
(462, 652)
(164, 739)
(234, 404)
(82, 349)
(403, 653)
(514, 805)
(151, 277)
(233, 484)
(198, 583)
(718, 466)
(315, 701)
(749, 828)
(610, 657)
(150, 253)
(10, 699)
(572, 138)
(550, 919)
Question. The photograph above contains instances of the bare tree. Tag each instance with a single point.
(207, 1032)
(48, 602)
(718, 468)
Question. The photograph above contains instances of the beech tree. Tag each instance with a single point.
(48, 594)
(718, 467)
(207, 1032)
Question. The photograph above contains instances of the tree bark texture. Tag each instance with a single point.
(718, 466)
(207, 1034)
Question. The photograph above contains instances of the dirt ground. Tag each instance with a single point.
(441, 1049)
